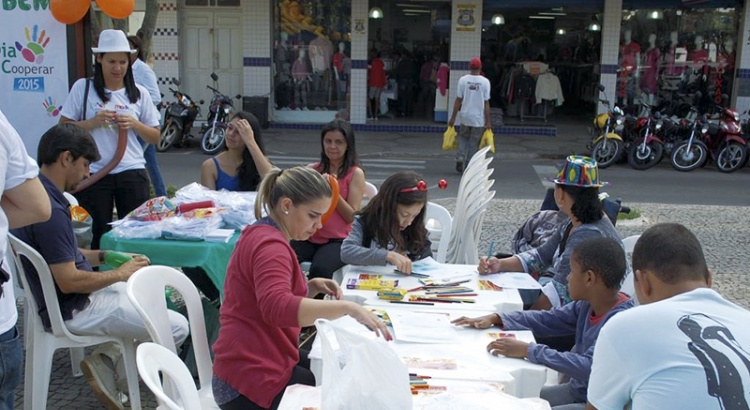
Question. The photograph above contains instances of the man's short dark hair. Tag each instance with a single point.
(66, 137)
(671, 252)
(603, 256)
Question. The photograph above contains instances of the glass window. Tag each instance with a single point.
(674, 59)
(311, 55)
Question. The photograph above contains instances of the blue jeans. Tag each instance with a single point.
(154, 173)
(11, 366)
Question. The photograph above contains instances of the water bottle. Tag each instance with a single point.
(116, 259)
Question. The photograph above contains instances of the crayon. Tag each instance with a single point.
(404, 302)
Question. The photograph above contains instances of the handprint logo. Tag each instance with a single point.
(36, 42)
(52, 109)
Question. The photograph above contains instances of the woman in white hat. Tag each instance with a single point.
(105, 105)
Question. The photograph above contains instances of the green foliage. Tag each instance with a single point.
(634, 213)
(171, 190)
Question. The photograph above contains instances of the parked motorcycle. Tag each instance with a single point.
(215, 127)
(178, 120)
(731, 153)
(693, 152)
(647, 150)
(607, 146)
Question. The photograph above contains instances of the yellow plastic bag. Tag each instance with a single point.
(488, 138)
(450, 143)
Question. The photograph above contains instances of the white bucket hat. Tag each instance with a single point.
(113, 41)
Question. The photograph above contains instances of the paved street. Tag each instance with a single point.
(713, 205)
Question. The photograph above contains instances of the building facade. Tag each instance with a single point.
(308, 60)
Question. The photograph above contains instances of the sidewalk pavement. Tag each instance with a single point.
(722, 230)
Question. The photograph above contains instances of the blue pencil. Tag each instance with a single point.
(492, 247)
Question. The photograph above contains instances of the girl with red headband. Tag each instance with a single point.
(391, 227)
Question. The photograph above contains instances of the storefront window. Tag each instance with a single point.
(312, 55)
(542, 62)
(674, 59)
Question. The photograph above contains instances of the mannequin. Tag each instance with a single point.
(651, 59)
(727, 55)
(321, 52)
(341, 76)
(283, 58)
(674, 57)
(630, 57)
(301, 75)
(724, 69)
(699, 58)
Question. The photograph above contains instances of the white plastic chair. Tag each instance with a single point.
(435, 212)
(370, 190)
(71, 199)
(41, 344)
(628, 285)
(146, 289)
(154, 361)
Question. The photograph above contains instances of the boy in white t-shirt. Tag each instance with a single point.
(685, 347)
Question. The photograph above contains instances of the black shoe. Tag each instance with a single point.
(459, 167)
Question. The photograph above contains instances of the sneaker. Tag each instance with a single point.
(101, 377)
(459, 167)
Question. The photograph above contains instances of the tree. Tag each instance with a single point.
(146, 32)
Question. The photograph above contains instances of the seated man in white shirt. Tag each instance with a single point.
(685, 347)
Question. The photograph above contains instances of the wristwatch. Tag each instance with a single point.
(101, 256)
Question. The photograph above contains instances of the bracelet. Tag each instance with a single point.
(101, 256)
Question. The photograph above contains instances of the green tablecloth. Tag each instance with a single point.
(213, 257)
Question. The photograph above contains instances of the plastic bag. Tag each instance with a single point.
(361, 373)
(450, 142)
(82, 222)
(155, 209)
(488, 138)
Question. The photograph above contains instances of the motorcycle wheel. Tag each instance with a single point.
(169, 135)
(731, 157)
(646, 158)
(213, 142)
(684, 160)
(606, 152)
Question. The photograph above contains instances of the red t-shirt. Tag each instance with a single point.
(257, 350)
(377, 73)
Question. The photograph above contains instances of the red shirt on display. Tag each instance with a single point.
(377, 73)
(629, 53)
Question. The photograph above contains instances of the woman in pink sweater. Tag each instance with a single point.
(267, 299)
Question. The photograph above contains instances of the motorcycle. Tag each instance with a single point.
(646, 151)
(215, 128)
(693, 152)
(730, 147)
(607, 146)
(178, 120)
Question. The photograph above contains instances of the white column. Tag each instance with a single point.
(466, 43)
(741, 83)
(358, 80)
(165, 49)
(256, 47)
(610, 48)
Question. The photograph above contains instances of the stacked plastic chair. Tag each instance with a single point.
(474, 195)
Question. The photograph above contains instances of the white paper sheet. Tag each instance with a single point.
(514, 280)
(422, 327)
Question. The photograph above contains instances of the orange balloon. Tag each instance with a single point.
(335, 194)
(69, 11)
(117, 9)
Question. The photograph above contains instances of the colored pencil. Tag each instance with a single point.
(404, 302)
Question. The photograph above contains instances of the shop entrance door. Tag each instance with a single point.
(211, 42)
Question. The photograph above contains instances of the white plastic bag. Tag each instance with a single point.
(361, 373)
